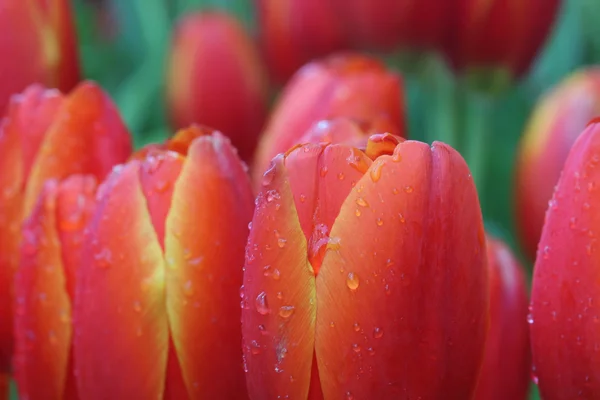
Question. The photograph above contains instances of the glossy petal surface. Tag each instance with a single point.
(120, 319)
(373, 325)
(564, 314)
(204, 268)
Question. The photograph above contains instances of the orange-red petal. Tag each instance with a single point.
(50, 254)
(406, 278)
(87, 136)
(121, 328)
(206, 232)
(278, 296)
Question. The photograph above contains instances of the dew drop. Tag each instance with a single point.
(362, 202)
(188, 288)
(357, 212)
(332, 324)
(379, 222)
(323, 172)
(262, 305)
(352, 281)
(356, 348)
(377, 333)
(356, 327)
(254, 347)
(408, 189)
(286, 311)
(302, 198)
(341, 176)
(375, 172)
(137, 306)
(281, 242)
(276, 274)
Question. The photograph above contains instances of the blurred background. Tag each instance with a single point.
(478, 79)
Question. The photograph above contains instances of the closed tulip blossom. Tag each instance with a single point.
(507, 364)
(51, 253)
(365, 275)
(558, 119)
(156, 313)
(343, 85)
(39, 45)
(564, 319)
(45, 135)
(294, 32)
(496, 41)
(217, 78)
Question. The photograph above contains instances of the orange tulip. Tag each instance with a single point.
(39, 46)
(43, 136)
(555, 124)
(497, 39)
(345, 85)
(156, 312)
(294, 32)
(364, 269)
(216, 77)
(506, 367)
(564, 319)
(51, 253)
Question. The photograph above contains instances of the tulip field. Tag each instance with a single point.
(299, 199)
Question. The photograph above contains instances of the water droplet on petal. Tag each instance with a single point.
(286, 311)
(356, 347)
(262, 305)
(362, 202)
(377, 333)
(408, 189)
(352, 281)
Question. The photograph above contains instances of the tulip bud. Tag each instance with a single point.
(39, 46)
(345, 85)
(555, 124)
(364, 269)
(384, 24)
(43, 136)
(156, 306)
(564, 319)
(51, 253)
(294, 32)
(506, 368)
(216, 78)
(495, 42)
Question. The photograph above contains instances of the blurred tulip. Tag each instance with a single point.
(39, 46)
(506, 368)
(495, 42)
(46, 135)
(51, 253)
(564, 318)
(385, 24)
(364, 269)
(344, 85)
(156, 314)
(555, 124)
(216, 78)
(294, 32)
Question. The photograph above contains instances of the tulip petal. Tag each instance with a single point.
(204, 248)
(564, 299)
(421, 234)
(28, 117)
(278, 296)
(87, 136)
(121, 328)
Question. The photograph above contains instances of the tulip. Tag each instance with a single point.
(343, 85)
(43, 136)
(51, 253)
(497, 40)
(506, 368)
(555, 124)
(364, 271)
(294, 32)
(386, 24)
(216, 77)
(156, 313)
(39, 46)
(564, 321)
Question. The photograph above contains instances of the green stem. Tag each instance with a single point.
(478, 126)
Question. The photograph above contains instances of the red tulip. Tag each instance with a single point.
(39, 46)
(556, 122)
(499, 37)
(346, 85)
(294, 32)
(156, 312)
(51, 253)
(565, 324)
(364, 269)
(216, 77)
(43, 136)
(385, 24)
(506, 367)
